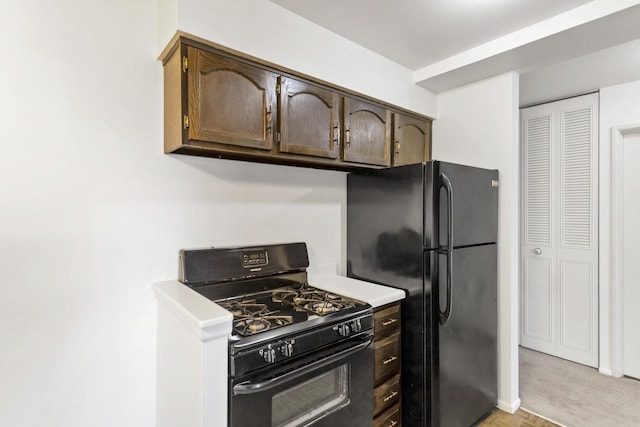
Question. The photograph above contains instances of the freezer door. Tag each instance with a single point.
(384, 227)
(466, 205)
(465, 363)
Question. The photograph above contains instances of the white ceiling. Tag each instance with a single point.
(448, 43)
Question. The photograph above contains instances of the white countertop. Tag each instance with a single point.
(326, 278)
(204, 317)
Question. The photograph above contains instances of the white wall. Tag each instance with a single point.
(619, 106)
(478, 125)
(92, 212)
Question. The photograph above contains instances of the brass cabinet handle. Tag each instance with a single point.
(389, 322)
(269, 115)
(391, 396)
(348, 136)
(397, 146)
(389, 360)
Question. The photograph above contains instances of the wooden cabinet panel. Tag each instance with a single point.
(387, 357)
(309, 120)
(391, 418)
(367, 133)
(386, 394)
(387, 322)
(412, 140)
(387, 366)
(230, 102)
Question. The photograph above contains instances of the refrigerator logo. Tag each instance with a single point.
(495, 183)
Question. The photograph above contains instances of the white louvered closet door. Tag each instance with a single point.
(559, 283)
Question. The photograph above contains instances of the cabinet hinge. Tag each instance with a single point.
(278, 89)
(185, 121)
(278, 137)
(185, 64)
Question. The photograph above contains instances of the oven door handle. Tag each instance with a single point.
(249, 387)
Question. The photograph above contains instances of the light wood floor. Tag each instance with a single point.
(521, 418)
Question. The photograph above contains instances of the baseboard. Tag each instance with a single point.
(509, 407)
(606, 371)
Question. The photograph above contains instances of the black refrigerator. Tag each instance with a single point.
(431, 229)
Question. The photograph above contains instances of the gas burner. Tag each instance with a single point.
(314, 300)
(253, 324)
(322, 307)
(250, 317)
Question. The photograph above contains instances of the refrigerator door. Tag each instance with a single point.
(384, 226)
(384, 245)
(465, 367)
(467, 199)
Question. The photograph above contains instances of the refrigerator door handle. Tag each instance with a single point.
(444, 315)
(449, 190)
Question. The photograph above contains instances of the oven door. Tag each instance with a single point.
(333, 390)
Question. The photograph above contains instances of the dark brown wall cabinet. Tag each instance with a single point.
(222, 103)
(412, 140)
(230, 102)
(309, 119)
(367, 133)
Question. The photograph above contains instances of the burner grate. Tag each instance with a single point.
(250, 317)
(315, 300)
(268, 310)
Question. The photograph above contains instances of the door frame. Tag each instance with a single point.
(618, 134)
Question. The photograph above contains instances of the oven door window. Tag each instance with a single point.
(311, 400)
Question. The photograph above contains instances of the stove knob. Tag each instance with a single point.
(287, 348)
(343, 330)
(268, 354)
(356, 325)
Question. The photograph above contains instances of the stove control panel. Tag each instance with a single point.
(356, 325)
(255, 259)
(287, 348)
(268, 354)
(343, 329)
(348, 328)
(252, 357)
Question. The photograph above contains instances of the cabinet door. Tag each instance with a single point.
(309, 122)
(230, 102)
(412, 140)
(367, 133)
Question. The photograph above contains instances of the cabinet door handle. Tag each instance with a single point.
(391, 396)
(393, 423)
(269, 115)
(397, 146)
(336, 134)
(348, 136)
(389, 360)
(389, 322)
